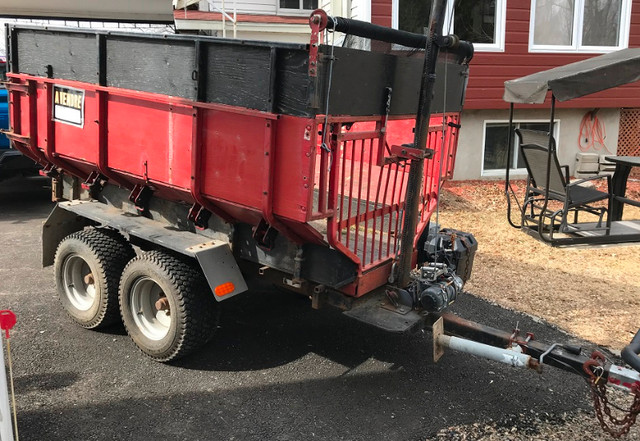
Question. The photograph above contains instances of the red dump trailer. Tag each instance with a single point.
(184, 166)
(286, 160)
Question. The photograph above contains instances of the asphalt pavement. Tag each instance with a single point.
(276, 369)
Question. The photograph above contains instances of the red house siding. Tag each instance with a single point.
(489, 70)
(381, 12)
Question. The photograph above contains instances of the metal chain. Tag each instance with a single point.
(616, 427)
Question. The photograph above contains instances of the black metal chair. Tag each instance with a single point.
(574, 197)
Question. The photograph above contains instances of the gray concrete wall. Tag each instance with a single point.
(469, 158)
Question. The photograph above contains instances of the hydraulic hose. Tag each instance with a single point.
(450, 43)
(376, 32)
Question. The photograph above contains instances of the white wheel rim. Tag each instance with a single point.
(79, 282)
(153, 323)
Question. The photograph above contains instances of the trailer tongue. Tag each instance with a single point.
(223, 160)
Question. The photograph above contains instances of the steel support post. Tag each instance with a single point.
(416, 172)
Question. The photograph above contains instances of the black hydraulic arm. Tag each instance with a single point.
(376, 32)
(433, 42)
(416, 172)
(451, 43)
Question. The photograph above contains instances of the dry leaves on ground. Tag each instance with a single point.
(593, 293)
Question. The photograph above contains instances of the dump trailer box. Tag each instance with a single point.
(293, 149)
(222, 160)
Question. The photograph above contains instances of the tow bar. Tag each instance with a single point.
(453, 332)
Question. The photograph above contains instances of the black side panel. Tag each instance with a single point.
(239, 76)
(71, 56)
(292, 83)
(360, 79)
(405, 99)
(266, 76)
(151, 65)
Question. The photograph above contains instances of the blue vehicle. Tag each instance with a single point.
(4, 117)
(12, 162)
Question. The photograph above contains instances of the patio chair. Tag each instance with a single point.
(574, 197)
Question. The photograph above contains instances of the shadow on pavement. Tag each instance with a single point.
(359, 406)
(19, 195)
(276, 369)
(50, 381)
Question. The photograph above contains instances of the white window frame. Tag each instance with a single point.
(499, 26)
(291, 11)
(516, 171)
(576, 47)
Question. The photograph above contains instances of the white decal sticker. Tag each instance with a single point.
(68, 105)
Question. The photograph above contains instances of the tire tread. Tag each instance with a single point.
(198, 312)
(113, 252)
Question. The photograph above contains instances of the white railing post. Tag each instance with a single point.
(224, 30)
(225, 17)
(6, 430)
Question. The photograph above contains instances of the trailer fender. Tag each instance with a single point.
(214, 256)
(220, 269)
(58, 225)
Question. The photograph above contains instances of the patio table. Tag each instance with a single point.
(624, 164)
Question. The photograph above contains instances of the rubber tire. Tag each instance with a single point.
(107, 253)
(191, 302)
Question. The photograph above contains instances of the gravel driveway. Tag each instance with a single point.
(276, 370)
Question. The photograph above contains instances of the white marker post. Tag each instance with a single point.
(7, 321)
(6, 430)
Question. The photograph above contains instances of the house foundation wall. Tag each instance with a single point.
(471, 143)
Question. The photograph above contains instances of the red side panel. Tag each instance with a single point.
(21, 120)
(151, 139)
(294, 165)
(248, 166)
(233, 157)
(148, 138)
(79, 143)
